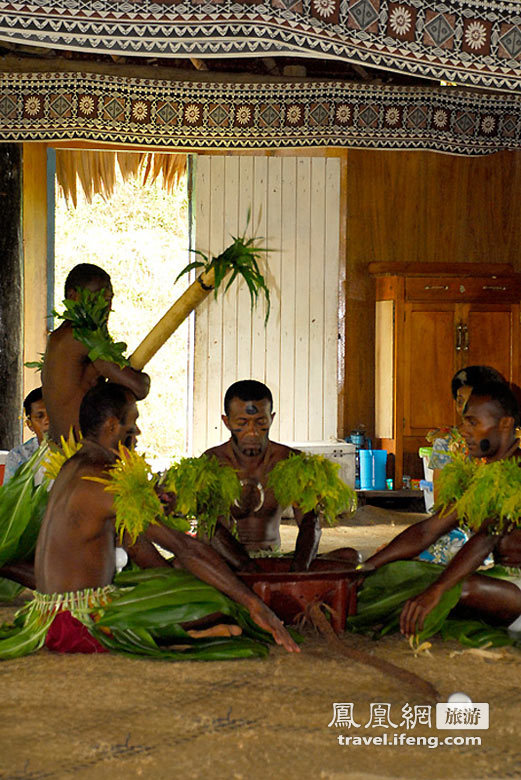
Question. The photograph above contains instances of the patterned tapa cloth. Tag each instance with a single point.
(469, 42)
(191, 115)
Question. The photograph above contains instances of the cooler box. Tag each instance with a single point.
(427, 484)
(3, 458)
(340, 452)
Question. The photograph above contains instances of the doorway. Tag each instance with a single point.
(140, 234)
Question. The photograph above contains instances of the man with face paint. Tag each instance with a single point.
(248, 407)
(76, 544)
(68, 372)
(489, 422)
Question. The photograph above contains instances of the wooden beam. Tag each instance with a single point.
(199, 64)
(12, 64)
(35, 257)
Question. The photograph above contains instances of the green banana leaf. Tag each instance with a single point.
(145, 620)
(138, 642)
(21, 510)
(383, 594)
(9, 590)
(476, 633)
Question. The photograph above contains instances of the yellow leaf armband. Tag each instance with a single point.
(205, 490)
(59, 455)
(311, 483)
(132, 483)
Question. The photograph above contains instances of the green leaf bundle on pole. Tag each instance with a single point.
(240, 258)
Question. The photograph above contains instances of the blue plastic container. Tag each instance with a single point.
(373, 469)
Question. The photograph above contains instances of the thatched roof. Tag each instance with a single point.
(96, 171)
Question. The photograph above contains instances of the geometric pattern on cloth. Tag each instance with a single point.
(205, 115)
(465, 41)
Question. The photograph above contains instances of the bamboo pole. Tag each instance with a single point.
(176, 314)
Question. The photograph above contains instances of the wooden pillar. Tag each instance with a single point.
(11, 295)
(35, 257)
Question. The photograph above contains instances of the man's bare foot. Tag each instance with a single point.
(221, 629)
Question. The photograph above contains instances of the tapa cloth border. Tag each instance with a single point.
(205, 115)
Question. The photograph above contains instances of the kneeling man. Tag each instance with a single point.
(489, 422)
(248, 415)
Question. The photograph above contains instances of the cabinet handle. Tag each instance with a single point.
(466, 339)
(459, 328)
(436, 287)
(494, 287)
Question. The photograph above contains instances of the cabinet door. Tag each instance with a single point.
(429, 362)
(488, 339)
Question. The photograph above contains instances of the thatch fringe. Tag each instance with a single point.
(96, 171)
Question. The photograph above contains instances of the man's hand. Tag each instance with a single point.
(267, 620)
(416, 610)
(365, 568)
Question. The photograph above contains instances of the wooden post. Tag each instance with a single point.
(11, 295)
(35, 257)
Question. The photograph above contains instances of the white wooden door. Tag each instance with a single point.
(294, 203)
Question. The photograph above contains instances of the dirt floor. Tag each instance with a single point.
(110, 716)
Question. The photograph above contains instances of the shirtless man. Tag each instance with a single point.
(489, 422)
(248, 407)
(76, 545)
(68, 373)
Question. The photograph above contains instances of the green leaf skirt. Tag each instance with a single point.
(384, 593)
(141, 614)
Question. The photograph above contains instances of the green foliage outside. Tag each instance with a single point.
(140, 237)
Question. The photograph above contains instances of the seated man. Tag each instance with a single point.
(248, 407)
(68, 372)
(37, 421)
(75, 553)
(489, 423)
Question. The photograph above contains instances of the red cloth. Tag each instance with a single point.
(68, 635)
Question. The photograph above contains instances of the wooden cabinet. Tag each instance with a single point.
(430, 322)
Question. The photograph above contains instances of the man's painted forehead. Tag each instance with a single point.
(251, 407)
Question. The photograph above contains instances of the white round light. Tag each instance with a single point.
(459, 697)
(121, 558)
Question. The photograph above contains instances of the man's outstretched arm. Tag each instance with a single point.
(412, 541)
(464, 563)
(204, 563)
